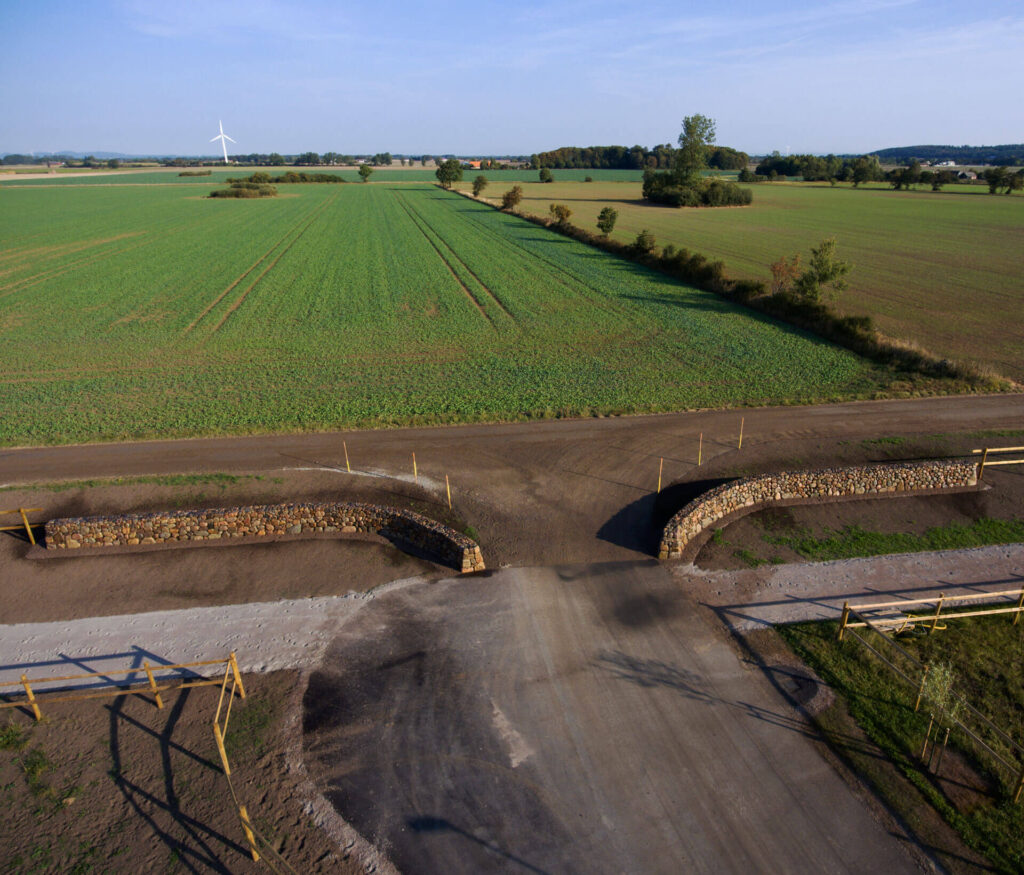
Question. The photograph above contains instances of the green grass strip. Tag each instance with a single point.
(982, 653)
(853, 541)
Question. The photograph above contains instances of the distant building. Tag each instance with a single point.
(967, 174)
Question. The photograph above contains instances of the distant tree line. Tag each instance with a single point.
(631, 158)
(1009, 155)
(864, 168)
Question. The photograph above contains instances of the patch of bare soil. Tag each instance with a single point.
(116, 785)
(106, 583)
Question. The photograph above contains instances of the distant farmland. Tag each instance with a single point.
(380, 174)
(945, 270)
(148, 310)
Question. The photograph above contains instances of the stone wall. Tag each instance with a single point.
(682, 534)
(404, 527)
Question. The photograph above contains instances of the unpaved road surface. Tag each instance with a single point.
(575, 719)
(582, 711)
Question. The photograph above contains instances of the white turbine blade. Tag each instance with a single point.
(226, 137)
(214, 139)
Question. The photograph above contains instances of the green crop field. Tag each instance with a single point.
(945, 270)
(150, 310)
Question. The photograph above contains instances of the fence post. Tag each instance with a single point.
(938, 611)
(247, 826)
(1020, 607)
(347, 466)
(31, 698)
(920, 692)
(28, 528)
(448, 486)
(152, 686)
(220, 747)
(845, 620)
(661, 465)
(927, 737)
(981, 467)
(700, 448)
(740, 445)
(237, 674)
(415, 473)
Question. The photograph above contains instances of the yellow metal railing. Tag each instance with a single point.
(25, 524)
(985, 451)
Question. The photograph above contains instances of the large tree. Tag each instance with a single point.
(694, 143)
(364, 171)
(448, 172)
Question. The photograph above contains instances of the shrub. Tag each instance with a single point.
(665, 188)
(560, 213)
(511, 198)
(606, 220)
(195, 173)
(243, 189)
(644, 243)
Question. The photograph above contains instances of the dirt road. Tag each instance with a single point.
(573, 719)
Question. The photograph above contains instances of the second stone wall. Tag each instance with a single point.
(406, 527)
(683, 531)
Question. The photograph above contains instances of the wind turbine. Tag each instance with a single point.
(223, 140)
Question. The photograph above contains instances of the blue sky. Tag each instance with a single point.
(513, 77)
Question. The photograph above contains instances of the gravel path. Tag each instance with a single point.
(772, 594)
(267, 636)
(294, 633)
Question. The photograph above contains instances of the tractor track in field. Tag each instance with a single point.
(13, 262)
(447, 264)
(456, 256)
(243, 275)
(241, 298)
(574, 283)
(54, 272)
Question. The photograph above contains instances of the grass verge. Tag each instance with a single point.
(985, 654)
(853, 541)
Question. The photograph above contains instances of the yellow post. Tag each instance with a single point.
(1020, 607)
(927, 737)
(247, 826)
(152, 686)
(661, 465)
(845, 620)
(448, 486)
(981, 467)
(920, 692)
(740, 447)
(347, 466)
(28, 528)
(31, 698)
(1020, 787)
(938, 610)
(220, 747)
(700, 448)
(238, 675)
(415, 473)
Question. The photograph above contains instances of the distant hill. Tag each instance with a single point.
(1009, 155)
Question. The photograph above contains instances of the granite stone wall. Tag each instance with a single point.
(806, 487)
(404, 527)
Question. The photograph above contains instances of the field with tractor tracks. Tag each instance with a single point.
(148, 310)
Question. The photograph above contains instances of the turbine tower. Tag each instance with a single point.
(223, 140)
